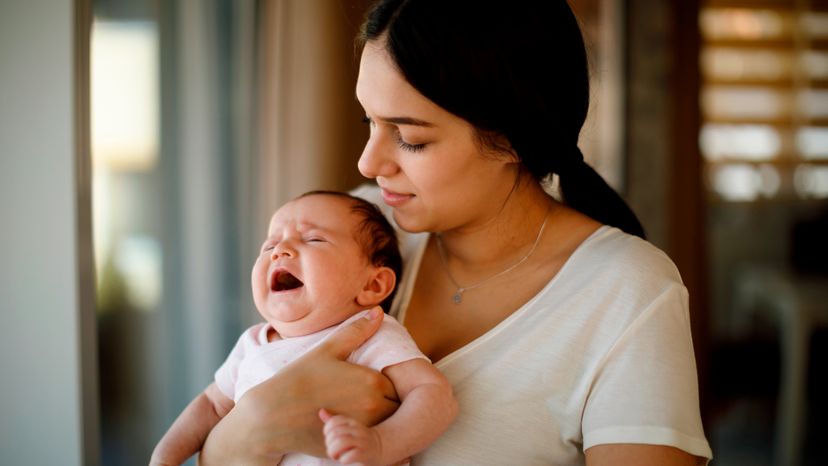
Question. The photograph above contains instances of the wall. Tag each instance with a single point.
(40, 411)
(648, 138)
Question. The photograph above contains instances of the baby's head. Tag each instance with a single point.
(327, 255)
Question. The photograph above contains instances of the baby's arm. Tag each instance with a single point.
(428, 408)
(186, 436)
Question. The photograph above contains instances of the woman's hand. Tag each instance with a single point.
(281, 414)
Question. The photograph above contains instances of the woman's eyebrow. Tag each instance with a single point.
(406, 121)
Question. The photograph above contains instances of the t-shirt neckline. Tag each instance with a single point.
(470, 346)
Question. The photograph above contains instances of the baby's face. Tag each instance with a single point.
(310, 267)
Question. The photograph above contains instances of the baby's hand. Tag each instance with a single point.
(350, 442)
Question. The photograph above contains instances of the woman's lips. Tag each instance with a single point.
(395, 199)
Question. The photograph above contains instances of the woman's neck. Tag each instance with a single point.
(505, 237)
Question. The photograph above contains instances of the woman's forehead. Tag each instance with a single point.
(383, 90)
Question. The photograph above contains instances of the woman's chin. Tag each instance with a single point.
(409, 223)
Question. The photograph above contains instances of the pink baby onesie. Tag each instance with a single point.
(254, 360)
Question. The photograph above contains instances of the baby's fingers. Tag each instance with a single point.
(337, 423)
(354, 456)
(347, 441)
(338, 434)
(338, 447)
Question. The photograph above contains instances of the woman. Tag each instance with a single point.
(565, 336)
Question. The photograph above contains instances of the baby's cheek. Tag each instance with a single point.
(254, 273)
(257, 276)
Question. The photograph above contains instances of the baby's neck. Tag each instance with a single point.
(273, 333)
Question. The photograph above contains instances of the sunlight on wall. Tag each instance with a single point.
(745, 182)
(811, 181)
(125, 143)
(813, 143)
(741, 141)
(124, 94)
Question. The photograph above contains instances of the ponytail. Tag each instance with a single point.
(479, 60)
(586, 191)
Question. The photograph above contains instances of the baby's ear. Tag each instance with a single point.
(378, 286)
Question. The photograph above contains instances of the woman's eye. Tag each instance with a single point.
(409, 147)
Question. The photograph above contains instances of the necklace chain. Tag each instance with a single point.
(458, 295)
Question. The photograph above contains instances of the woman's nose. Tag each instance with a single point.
(375, 161)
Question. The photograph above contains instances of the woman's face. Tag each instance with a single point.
(428, 162)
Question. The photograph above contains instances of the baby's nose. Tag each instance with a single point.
(283, 249)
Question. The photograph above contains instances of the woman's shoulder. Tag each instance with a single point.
(614, 273)
(610, 251)
(608, 284)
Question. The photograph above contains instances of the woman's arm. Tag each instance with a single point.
(187, 434)
(281, 414)
(625, 454)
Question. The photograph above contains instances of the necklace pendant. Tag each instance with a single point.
(458, 297)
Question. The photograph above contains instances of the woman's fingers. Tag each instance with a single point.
(345, 341)
(324, 415)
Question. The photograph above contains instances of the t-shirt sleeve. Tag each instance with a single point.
(228, 373)
(646, 389)
(391, 345)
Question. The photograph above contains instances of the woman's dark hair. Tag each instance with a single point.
(376, 236)
(483, 61)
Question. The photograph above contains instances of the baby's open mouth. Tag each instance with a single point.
(282, 280)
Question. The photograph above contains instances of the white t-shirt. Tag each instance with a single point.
(601, 355)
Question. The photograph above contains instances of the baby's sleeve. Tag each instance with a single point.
(646, 390)
(228, 373)
(392, 344)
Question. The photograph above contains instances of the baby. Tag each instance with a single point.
(327, 258)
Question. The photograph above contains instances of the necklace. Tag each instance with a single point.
(458, 295)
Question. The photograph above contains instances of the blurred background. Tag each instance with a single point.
(177, 127)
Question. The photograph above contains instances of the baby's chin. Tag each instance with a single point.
(311, 323)
(294, 329)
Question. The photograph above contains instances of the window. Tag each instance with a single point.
(764, 143)
(764, 99)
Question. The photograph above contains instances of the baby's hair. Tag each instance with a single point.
(376, 236)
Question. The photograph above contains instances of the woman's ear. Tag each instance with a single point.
(378, 286)
(499, 147)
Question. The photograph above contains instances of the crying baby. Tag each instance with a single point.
(328, 259)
